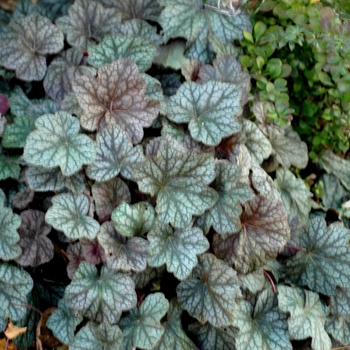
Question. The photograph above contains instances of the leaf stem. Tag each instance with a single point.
(296, 249)
(28, 307)
(271, 281)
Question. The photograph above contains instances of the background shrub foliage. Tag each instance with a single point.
(175, 174)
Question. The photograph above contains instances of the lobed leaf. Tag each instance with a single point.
(26, 43)
(42, 179)
(36, 247)
(147, 9)
(307, 315)
(115, 47)
(97, 337)
(295, 195)
(209, 294)
(69, 215)
(178, 248)
(134, 220)
(116, 96)
(261, 326)
(63, 70)
(88, 22)
(57, 142)
(63, 322)
(15, 284)
(114, 154)
(224, 215)
(214, 338)
(324, 259)
(174, 336)
(15, 134)
(9, 167)
(142, 327)
(179, 178)
(126, 254)
(9, 238)
(264, 231)
(195, 22)
(209, 108)
(102, 298)
(108, 195)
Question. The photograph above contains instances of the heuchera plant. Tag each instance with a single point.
(151, 196)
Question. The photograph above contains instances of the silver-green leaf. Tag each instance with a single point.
(57, 142)
(69, 215)
(209, 293)
(102, 298)
(178, 248)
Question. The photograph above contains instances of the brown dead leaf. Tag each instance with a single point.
(13, 331)
(10, 346)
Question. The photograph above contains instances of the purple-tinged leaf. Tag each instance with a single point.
(125, 254)
(75, 255)
(88, 22)
(23, 198)
(102, 298)
(63, 70)
(4, 104)
(92, 251)
(116, 96)
(24, 46)
(263, 233)
(37, 248)
(108, 195)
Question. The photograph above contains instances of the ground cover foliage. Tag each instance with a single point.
(174, 174)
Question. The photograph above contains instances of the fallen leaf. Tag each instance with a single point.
(13, 331)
